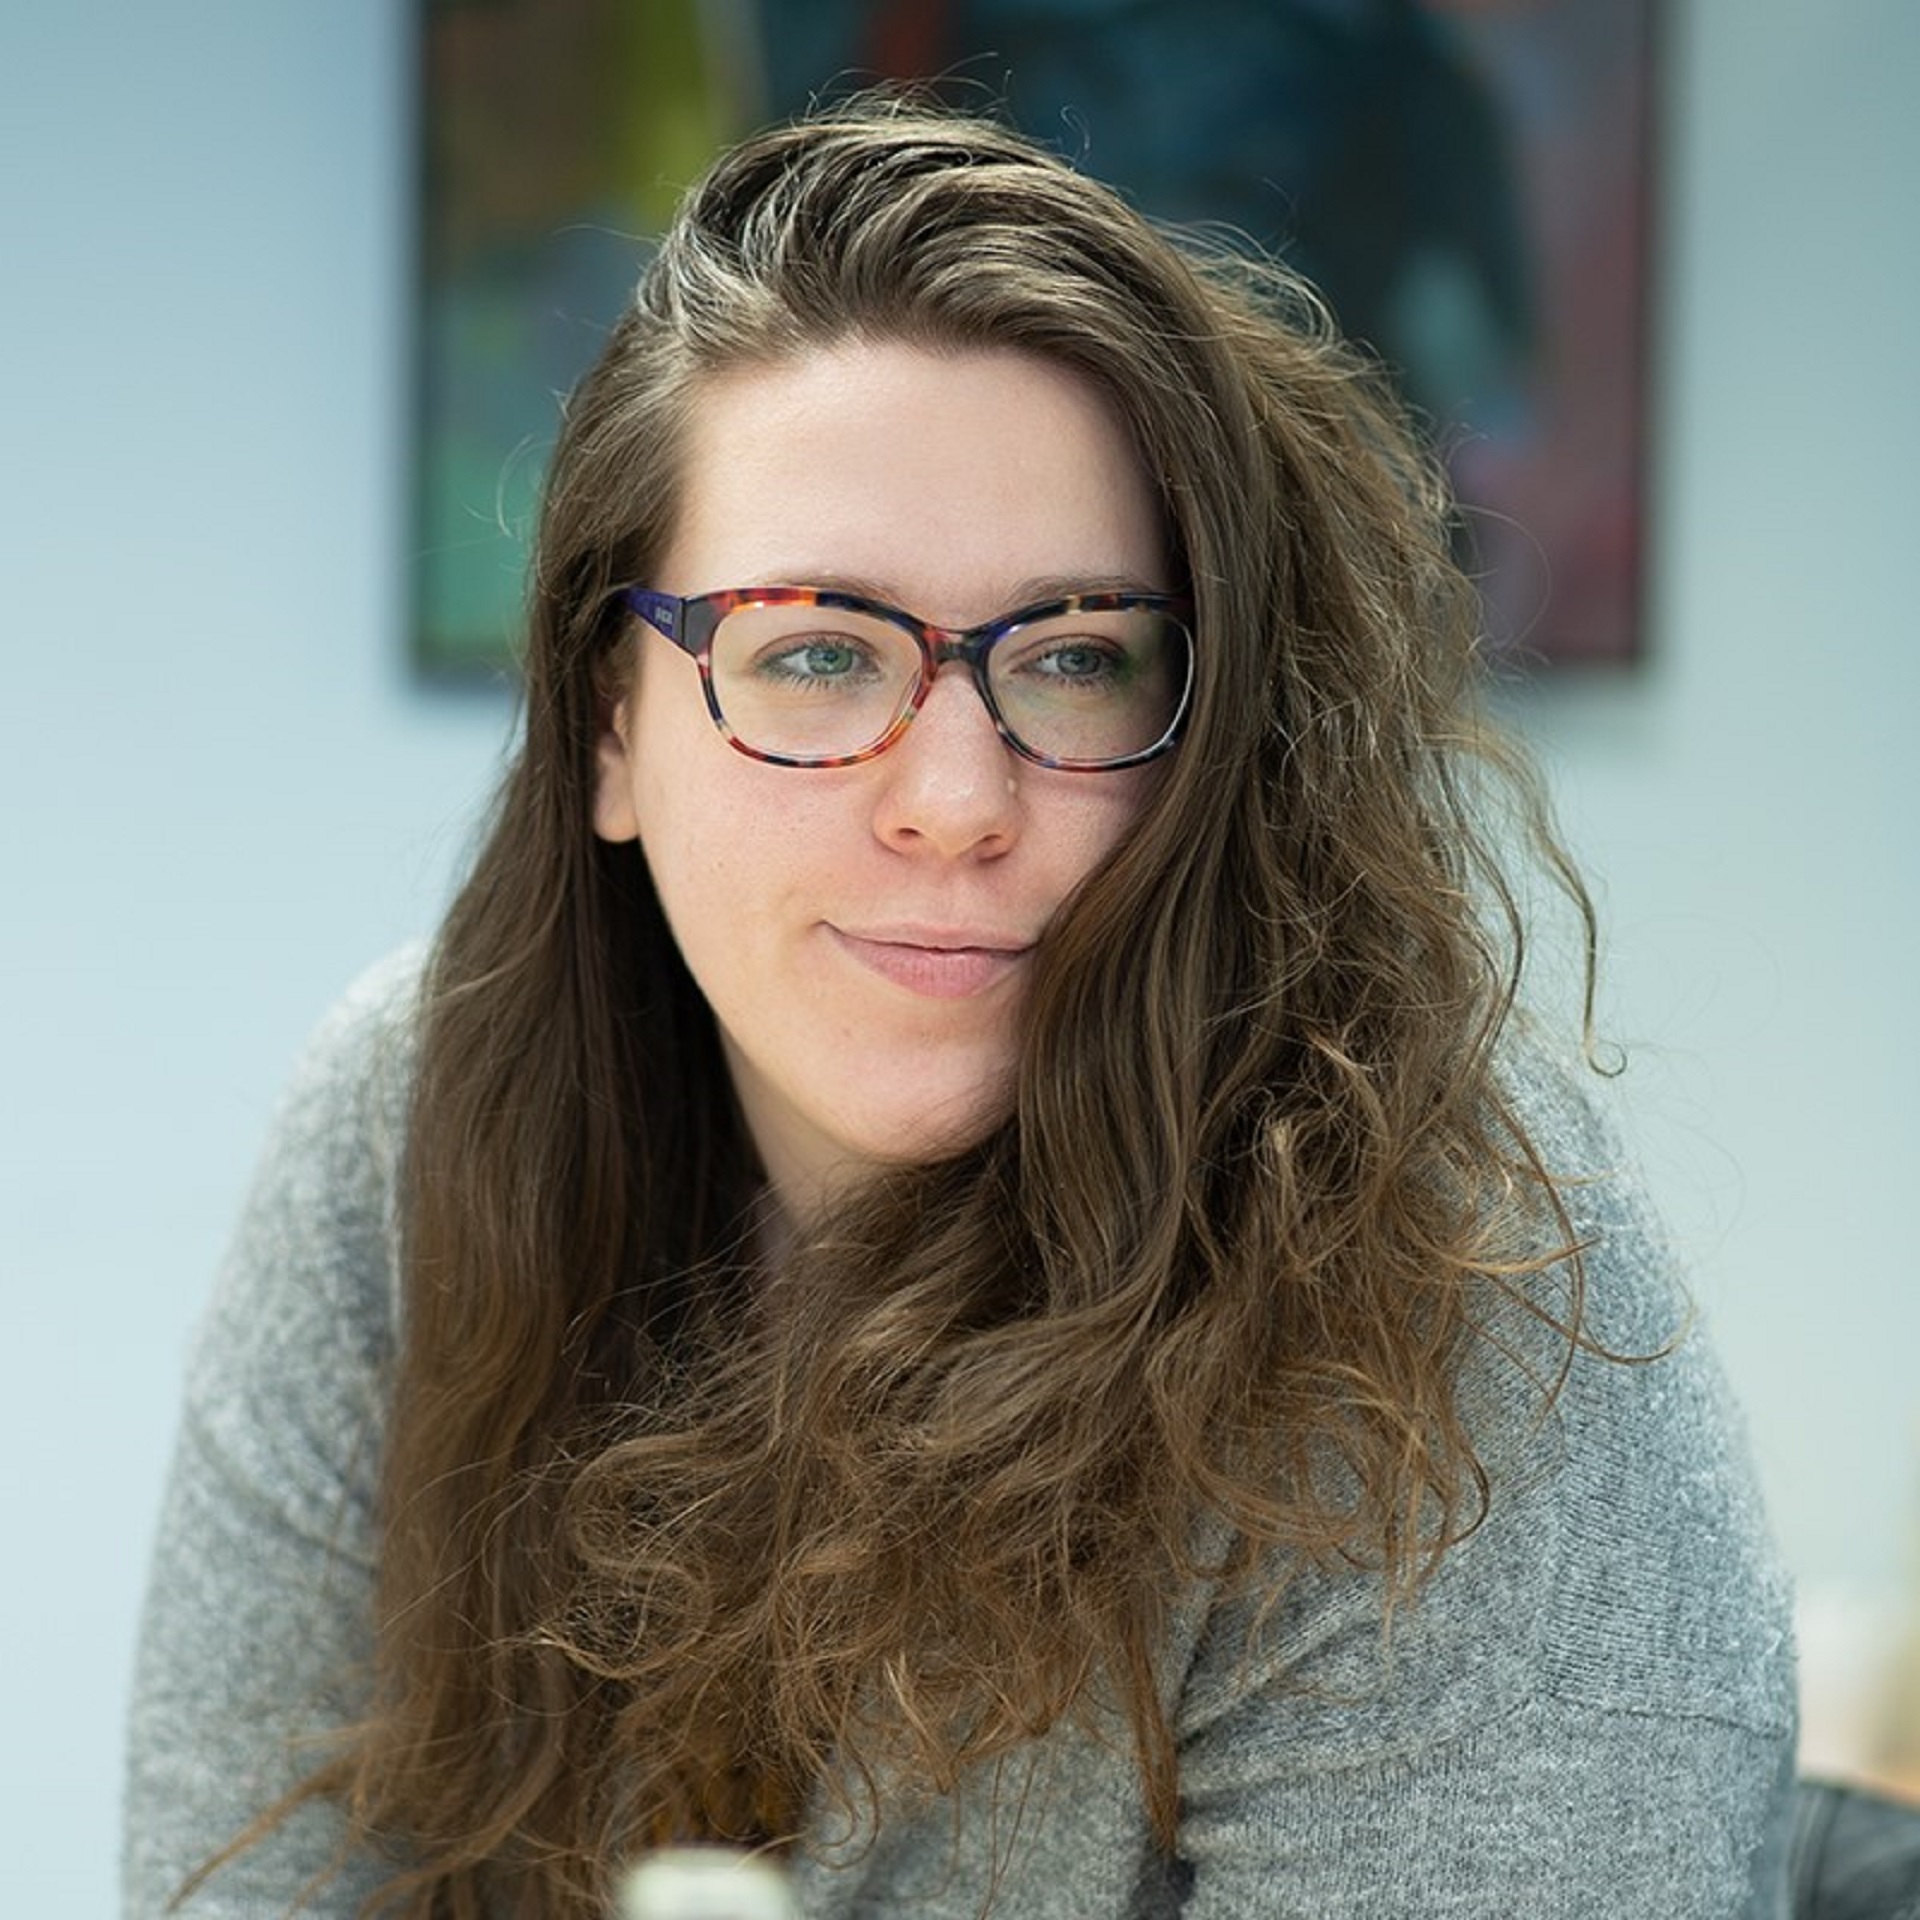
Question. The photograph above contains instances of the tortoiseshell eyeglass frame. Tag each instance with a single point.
(690, 622)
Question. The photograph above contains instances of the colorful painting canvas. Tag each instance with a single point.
(1466, 181)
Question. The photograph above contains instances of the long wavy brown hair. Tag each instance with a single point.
(676, 1547)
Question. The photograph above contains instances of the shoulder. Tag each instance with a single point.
(258, 1621)
(301, 1325)
(1666, 1590)
(1593, 1689)
(338, 1135)
(357, 1065)
(1569, 1113)
(1623, 1564)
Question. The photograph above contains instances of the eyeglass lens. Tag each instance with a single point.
(825, 683)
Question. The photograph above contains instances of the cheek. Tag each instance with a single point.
(683, 768)
(1097, 813)
(727, 841)
(694, 854)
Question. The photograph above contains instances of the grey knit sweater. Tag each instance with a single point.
(1589, 1711)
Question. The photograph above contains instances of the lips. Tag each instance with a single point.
(936, 963)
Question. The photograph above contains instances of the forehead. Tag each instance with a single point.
(943, 480)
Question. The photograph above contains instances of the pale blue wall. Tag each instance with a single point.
(1752, 803)
(221, 797)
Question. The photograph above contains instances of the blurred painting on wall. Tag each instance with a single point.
(1465, 181)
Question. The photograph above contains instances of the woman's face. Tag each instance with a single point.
(864, 933)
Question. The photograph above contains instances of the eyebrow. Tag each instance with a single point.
(1022, 593)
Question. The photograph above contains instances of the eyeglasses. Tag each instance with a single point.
(811, 677)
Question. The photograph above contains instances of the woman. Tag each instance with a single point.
(955, 1265)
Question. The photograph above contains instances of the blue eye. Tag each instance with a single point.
(824, 660)
(1078, 660)
(1061, 666)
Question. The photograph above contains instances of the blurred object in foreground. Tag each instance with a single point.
(704, 1883)
(1860, 1690)
(1894, 1753)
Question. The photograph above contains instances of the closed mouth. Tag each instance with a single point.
(936, 964)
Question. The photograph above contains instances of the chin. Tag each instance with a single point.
(931, 1129)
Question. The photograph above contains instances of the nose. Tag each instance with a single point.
(949, 784)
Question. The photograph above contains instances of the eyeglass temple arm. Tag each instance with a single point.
(665, 612)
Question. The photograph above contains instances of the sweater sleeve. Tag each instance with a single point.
(257, 1624)
(1589, 1709)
